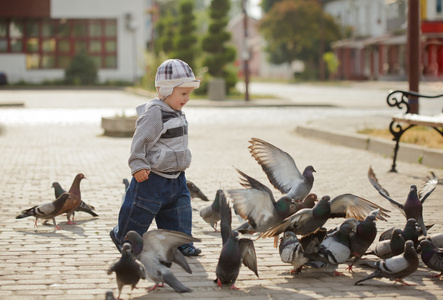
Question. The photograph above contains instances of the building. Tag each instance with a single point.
(376, 48)
(39, 38)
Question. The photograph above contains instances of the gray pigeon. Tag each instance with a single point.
(158, 254)
(436, 239)
(47, 210)
(364, 234)
(234, 252)
(388, 248)
(128, 269)
(195, 191)
(281, 169)
(257, 205)
(211, 213)
(395, 268)
(292, 252)
(308, 220)
(413, 207)
(432, 257)
(335, 249)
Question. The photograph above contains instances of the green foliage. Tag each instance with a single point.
(332, 62)
(166, 29)
(214, 42)
(266, 5)
(296, 29)
(186, 39)
(81, 71)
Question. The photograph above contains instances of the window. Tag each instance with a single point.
(438, 6)
(52, 43)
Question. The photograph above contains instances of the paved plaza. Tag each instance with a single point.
(57, 134)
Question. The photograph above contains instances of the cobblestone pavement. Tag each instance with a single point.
(54, 144)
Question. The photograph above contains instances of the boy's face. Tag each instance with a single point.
(179, 97)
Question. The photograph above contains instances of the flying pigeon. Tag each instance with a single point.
(395, 268)
(58, 190)
(211, 213)
(413, 207)
(195, 191)
(234, 252)
(128, 269)
(388, 248)
(159, 252)
(47, 210)
(432, 257)
(335, 249)
(75, 199)
(281, 170)
(257, 205)
(308, 220)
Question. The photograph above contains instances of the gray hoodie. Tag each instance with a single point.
(160, 141)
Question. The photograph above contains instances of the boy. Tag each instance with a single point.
(159, 157)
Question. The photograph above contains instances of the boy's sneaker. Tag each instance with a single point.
(114, 239)
(189, 250)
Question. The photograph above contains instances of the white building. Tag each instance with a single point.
(38, 38)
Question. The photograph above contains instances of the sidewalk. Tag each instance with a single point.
(41, 263)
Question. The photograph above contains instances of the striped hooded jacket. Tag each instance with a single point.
(160, 141)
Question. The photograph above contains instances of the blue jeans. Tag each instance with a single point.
(166, 200)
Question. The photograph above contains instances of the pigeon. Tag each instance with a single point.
(109, 295)
(361, 240)
(436, 239)
(292, 251)
(432, 257)
(195, 191)
(75, 200)
(128, 269)
(308, 202)
(281, 169)
(413, 207)
(234, 252)
(395, 268)
(211, 213)
(47, 210)
(335, 249)
(159, 252)
(388, 248)
(58, 190)
(308, 220)
(257, 205)
(410, 232)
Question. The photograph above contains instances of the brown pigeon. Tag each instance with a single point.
(75, 200)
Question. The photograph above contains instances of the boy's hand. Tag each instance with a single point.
(141, 175)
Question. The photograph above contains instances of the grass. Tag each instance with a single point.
(419, 135)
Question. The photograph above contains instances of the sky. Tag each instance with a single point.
(254, 8)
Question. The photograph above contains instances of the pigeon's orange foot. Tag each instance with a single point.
(219, 284)
(233, 287)
(349, 268)
(71, 223)
(336, 273)
(403, 283)
(155, 286)
(434, 276)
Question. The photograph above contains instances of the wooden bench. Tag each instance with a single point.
(402, 122)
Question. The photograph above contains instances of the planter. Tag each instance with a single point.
(119, 126)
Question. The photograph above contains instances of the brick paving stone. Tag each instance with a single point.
(44, 263)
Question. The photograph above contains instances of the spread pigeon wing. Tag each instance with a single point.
(164, 242)
(226, 218)
(252, 183)
(253, 205)
(428, 187)
(278, 165)
(352, 206)
(249, 257)
(382, 191)
(290, 223)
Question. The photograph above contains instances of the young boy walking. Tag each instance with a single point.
(158, 160)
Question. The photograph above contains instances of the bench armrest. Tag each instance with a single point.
(400, 98)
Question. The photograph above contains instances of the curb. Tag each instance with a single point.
(406, 153)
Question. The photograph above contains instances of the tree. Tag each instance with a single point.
(292, 29)
(81, 70)
(186, 40)
(214, 43)
(166, 28)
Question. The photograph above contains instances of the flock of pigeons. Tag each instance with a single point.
(299, 216)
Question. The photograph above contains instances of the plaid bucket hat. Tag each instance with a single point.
(173, 73)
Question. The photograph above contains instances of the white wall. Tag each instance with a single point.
(127, 65)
